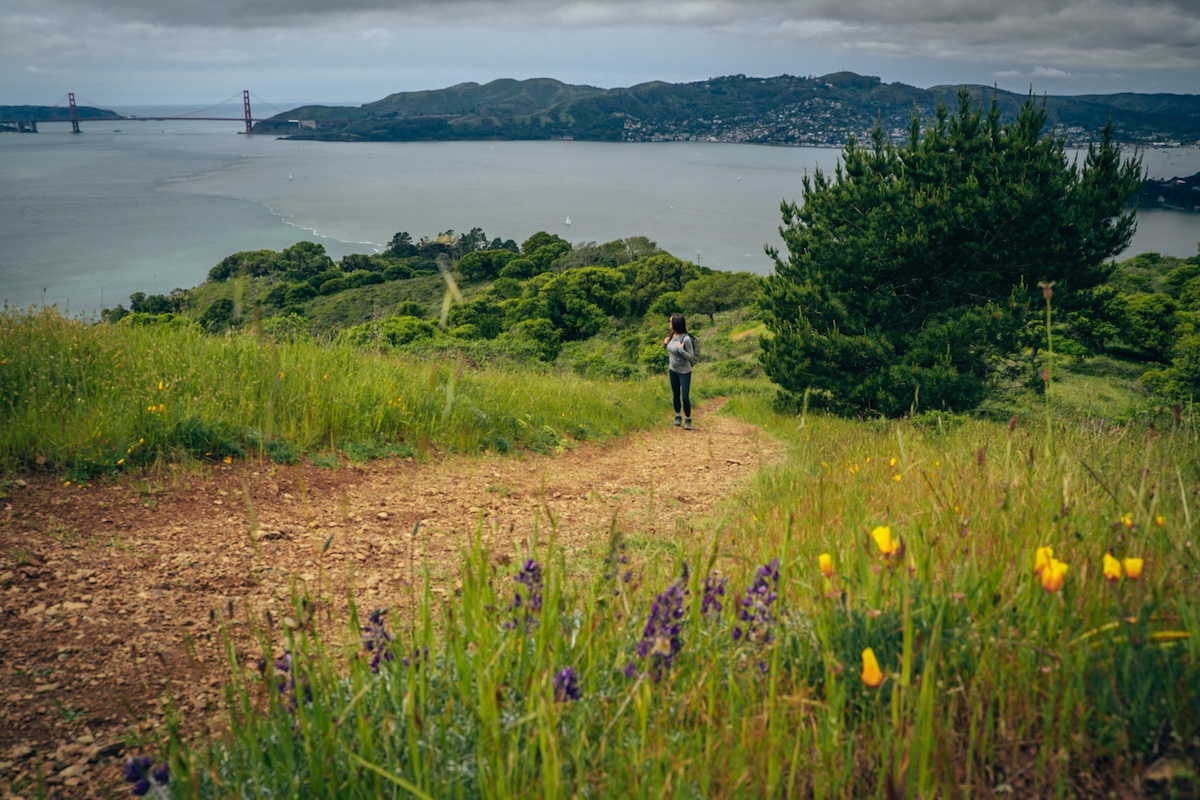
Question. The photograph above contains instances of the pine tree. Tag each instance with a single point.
(909, 271)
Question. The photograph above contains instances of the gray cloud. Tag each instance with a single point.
(379, 46)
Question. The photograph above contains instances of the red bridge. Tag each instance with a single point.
(29, 123)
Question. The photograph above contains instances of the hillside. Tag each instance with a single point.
(784, 109)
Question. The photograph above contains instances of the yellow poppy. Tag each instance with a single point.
(826, 563)
(883, 539)
(1112, 568)
(1041, 558)
(1133, 568)
(871, 674)
(1160, 520)
(1127, 520)
(1053, 575)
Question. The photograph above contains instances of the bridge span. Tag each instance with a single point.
(28, 123)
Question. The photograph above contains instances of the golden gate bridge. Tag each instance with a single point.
(27, 123)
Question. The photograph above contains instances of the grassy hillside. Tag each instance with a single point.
(898, 610)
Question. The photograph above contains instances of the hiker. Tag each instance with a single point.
(683, 355)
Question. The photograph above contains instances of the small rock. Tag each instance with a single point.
(382, 515)
(20, 752)
(291, 623)
(106, 750)
(47, 687)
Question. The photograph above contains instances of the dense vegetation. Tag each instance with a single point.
(784, 109)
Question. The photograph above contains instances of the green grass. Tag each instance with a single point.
(86, 400)
(993, 684)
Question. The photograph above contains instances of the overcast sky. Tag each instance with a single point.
(287, 52)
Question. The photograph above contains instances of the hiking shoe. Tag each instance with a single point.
(678, 420)
(687, 424)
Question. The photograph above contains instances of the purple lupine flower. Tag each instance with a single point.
(661, 638)
(376, 639)
(714, 590)
(285, 683)
(614, 561)
(137, 768)
(630, 669)
(566, 685)
(530, 577)
(419, 654)
(142, 773)
(756, 617)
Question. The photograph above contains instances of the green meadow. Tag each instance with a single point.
(870, 618)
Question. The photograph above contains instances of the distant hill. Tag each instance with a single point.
(784, 109)
(10, 116)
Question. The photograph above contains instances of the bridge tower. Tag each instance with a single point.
(246, 106)
(74, 112)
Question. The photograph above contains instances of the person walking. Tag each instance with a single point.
(682, 352)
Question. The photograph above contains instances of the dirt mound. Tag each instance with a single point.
(112, 596)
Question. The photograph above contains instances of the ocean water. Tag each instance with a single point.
(150, 206)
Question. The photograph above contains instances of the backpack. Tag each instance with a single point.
(695, 347)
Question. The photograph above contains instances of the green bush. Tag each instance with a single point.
(334, 285)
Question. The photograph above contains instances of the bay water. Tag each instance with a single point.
(128, 206)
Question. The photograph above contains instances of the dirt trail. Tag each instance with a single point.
(112, 596)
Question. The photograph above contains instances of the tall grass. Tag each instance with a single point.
(735, 668)
(91, 399)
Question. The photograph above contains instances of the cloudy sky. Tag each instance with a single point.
(200, 52)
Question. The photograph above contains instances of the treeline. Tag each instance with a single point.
(453, 289)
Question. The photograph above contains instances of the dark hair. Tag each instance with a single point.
(677, 323)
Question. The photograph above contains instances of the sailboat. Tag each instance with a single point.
(568, 221)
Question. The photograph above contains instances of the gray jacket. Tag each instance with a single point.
(682, 353)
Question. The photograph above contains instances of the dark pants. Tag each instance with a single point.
(681, 385)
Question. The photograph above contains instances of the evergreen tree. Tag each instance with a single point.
(909, 271)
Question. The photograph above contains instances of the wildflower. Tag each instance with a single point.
(1127, 520)
(228, 459)
(376, 639)
(661, 639)
(884, 541)
(1112, 568)
(1133, 568)
(1053, 574)
(825, 562)
(285, 683)
(566, 685)
(615, 559)
(714, 590)
(1160, 520)
(756, 605)
(871, 674)
(530, 577)
(892, 462)
(142, 773)
(160, 386)
(120, 461)
(1042, 557)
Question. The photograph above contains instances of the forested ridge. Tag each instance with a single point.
(784, 109)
